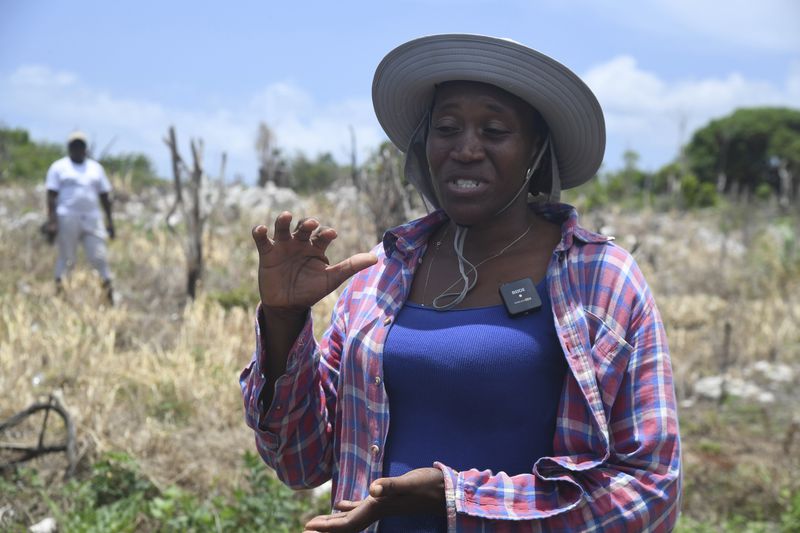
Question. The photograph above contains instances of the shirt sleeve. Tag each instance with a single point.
(635, 487)
(103, 185)
(294, 435)
(53, 179)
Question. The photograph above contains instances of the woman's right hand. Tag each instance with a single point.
(293, 271)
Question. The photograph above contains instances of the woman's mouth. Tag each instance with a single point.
(465, 186)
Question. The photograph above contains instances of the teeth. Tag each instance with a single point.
(466, 184)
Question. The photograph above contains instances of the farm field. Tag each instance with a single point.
(152, 383)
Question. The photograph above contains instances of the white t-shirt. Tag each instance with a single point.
(78, 185)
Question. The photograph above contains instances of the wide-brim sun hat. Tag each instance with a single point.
(405, 81)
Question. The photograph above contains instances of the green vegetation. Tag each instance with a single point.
(116, 497)
(752, 154)
(136, 169)
(156, 378)
(23, 160)
(747, 150)
(311, 175)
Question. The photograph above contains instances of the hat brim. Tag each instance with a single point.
(405, 81)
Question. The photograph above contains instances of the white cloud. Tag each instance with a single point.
(643, 112)
(39, 76)
(652, 116)
(766, 24)
(50, 103)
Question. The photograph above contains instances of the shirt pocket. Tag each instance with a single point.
(610, 356)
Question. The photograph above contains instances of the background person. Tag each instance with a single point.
(431, 402)
(77, 187)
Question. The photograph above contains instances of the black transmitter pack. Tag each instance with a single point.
(520, 297)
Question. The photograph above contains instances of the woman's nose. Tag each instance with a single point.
(468, 147)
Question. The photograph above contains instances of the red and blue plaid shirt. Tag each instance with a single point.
(616, 460)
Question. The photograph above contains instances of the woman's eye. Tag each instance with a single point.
(494, 132)
(445, 129)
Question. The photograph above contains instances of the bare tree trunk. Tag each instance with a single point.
(387, 199)
(177, 162)
(194, 215)
(722, 181)
(195, 223)
(354, 159)
(786, 193)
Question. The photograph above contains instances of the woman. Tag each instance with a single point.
(523, 355)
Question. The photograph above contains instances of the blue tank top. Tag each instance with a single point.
(471, 388)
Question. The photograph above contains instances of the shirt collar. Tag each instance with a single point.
(567, 217)
(412, 235)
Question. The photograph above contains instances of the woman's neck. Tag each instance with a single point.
(494, 233)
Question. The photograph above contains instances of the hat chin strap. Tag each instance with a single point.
(547, 144)
(555, 177)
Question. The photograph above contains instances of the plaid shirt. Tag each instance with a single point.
(616, 460)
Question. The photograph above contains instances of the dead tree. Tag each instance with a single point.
(192, 211)
(271, 163)
(387, 197)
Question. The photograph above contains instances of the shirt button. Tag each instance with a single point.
(374, 449)
(377, 380)
(387, 321)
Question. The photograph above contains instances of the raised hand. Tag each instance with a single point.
(293, 271)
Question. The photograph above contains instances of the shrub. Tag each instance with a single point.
(116, 496)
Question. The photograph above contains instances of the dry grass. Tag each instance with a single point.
(158, 378)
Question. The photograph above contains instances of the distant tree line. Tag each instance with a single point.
(750, 154)
(23, 160)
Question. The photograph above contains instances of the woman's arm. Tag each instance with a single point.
(289, 388)
(292, 415)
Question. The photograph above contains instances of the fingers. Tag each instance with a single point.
(382, 487)
(322, 237)
(263, 244)
(345, 505)
(328, 523)
(303, 230)
(339, 272)
(305, 227)
(362, 515)
(282, 224)
(420, 481)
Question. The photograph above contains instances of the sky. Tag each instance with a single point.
(125, 71)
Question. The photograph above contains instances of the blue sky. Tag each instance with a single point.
(124, 71)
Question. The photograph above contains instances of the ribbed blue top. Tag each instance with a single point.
(472, 388)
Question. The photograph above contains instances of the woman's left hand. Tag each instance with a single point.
(417, 491)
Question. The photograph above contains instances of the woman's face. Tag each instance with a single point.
(479, 147)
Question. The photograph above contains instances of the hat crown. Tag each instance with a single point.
(77, 135)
